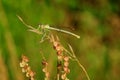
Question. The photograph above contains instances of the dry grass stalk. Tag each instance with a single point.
(26, 68)
(63, 55)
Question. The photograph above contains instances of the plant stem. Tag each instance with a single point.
(58, 77)
(83, 69)
(81, 66)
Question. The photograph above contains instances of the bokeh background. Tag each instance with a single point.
(96, 21)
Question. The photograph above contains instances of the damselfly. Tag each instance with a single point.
(43, 27)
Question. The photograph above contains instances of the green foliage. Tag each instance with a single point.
(96, 21)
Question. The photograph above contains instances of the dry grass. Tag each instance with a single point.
(63, 55)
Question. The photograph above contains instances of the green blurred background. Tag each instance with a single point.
(96, 21)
